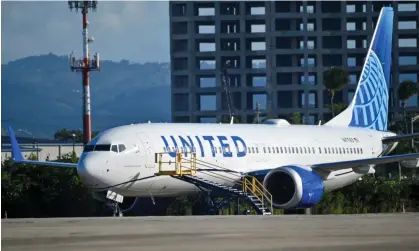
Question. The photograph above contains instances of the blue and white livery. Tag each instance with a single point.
(297, 163)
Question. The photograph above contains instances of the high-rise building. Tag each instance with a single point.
(275, 54)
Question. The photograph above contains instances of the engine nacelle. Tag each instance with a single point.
(294, 187)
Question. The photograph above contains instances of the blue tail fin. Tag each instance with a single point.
(16, 152)
(369, 107)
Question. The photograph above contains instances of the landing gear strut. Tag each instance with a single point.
(116, 209)
(113, 201)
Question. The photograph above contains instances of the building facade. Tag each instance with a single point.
(275, 53)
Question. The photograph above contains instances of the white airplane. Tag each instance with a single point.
(296, 163)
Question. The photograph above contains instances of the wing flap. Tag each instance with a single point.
(17, 156)
(335, 166)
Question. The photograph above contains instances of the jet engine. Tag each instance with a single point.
(294, 187)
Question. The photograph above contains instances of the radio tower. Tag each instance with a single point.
(85, 65)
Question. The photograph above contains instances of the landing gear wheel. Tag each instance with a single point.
(116, 210)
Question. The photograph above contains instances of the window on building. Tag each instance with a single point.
(350, 8)
(311, 79)
(364, 25)
(310, 119)
(301, 44)
(408, 60)
(350, 26)
(310, 9)
(310, 44)
(311, 61)
(407, 25)
(406, 7)
(364, 43)
(301, 26)
(310, 26)
(350, 96)
(352, 79)
(351, 61)
(408, 42)
(311, 100)
(408, 76)
(351, 44)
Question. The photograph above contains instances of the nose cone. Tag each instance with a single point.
(90, 170)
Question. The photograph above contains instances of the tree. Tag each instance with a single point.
(406, 89)
(337, 108)
(335, 79)
(296, 118)
(64, 135)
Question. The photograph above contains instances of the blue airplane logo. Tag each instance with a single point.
(187, 142)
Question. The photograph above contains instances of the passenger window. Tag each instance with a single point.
(320, 150)
(114, 148)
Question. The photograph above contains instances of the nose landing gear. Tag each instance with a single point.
(113, 201)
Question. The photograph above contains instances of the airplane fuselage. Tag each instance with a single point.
(239, 148)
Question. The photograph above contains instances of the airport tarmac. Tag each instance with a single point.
(201, 233)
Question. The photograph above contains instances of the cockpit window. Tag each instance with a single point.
(121, 148)
(88, 148)
(102, 147)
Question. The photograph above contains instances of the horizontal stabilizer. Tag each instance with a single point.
(388, 140)
(17, 156)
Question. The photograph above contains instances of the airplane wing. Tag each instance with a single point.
(17, 156)
(388, 140)
(335, 166)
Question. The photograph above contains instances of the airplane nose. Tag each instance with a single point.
(89, 171)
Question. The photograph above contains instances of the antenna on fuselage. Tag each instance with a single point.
(232, 120)
(320, 122)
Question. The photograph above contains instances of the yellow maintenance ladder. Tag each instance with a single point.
(187, 167)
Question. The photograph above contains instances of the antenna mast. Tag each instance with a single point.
(85, 65)
(226, 84)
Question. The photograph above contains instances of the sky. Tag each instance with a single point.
(137, 31)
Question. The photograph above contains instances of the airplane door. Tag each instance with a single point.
(148, 148)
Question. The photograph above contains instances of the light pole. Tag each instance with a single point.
(411, 124)
(73, 135)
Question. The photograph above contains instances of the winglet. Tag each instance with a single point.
(16, 152)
